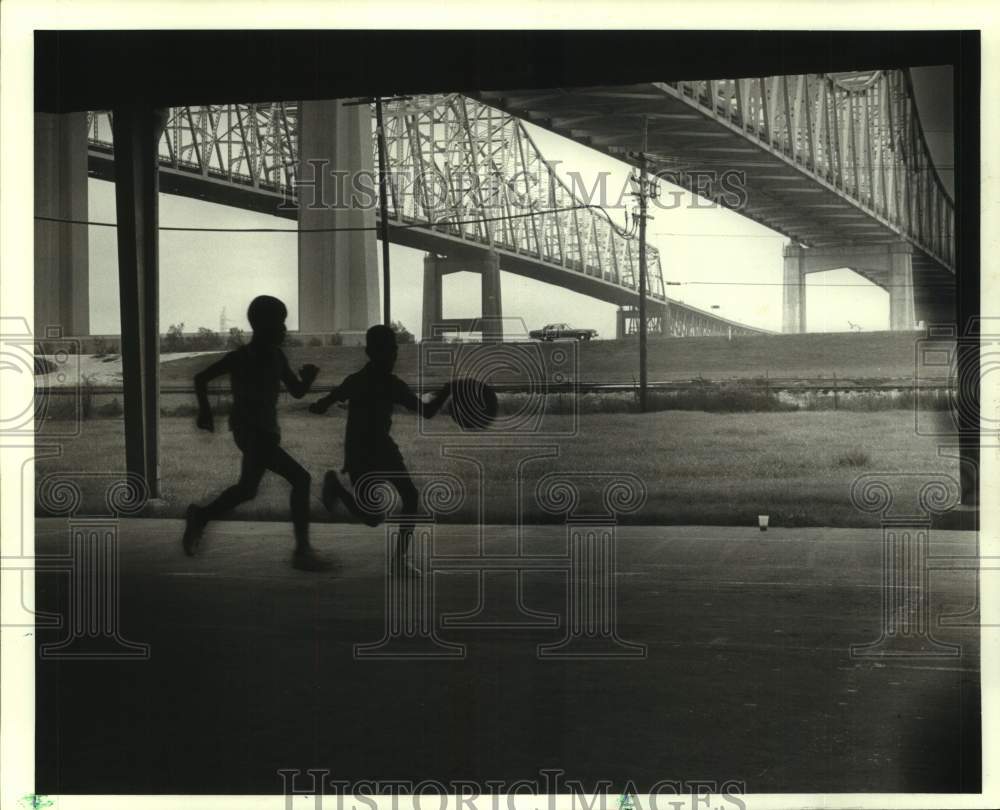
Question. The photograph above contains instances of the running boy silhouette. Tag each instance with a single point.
(256, 372)
(368, 448)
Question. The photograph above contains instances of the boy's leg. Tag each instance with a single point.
(277, 460)
(394, 472)
(251, 471)
(410, 501)
(333, 488)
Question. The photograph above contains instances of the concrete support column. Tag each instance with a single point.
(620, 330)
(338, 270)
(487, 265)
(492, 304)
(794, 295)
(137, 130)
(902, 316)
(432, 309)
(62, 296)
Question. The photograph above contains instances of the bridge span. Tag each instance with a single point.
(836, 162)
(466, 184)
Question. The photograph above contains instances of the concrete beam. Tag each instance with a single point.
(338, 269)
(892, 262)
(137, 130)
(62, 295)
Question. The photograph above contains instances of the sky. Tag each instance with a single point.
(722, 261)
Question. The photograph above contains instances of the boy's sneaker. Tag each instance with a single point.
(309, 560)
(194, 525)
(331, 491)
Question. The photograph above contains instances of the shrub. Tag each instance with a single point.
(855, 457)
(113, 408)
(87, 396)
(180, 410)
(236, 338)
(44, 366)
(403, 335)
(55, 406)
(174, 339)
(205, 340)
(52, 347)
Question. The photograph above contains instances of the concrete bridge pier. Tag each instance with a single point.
(902, 315)
(487, 265)
(627, 321)
(62, 296)
(888, 265)
(338, 269)
(621, 322)
(794, 290)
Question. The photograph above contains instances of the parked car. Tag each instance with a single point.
(562, 331)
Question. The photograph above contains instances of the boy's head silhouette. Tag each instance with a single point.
(267, 318)
(380, 346)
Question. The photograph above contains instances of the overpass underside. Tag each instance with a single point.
(813, 188)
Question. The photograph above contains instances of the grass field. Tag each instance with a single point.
(867, 355)
(698, 468)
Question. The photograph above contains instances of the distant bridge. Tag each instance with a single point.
(463, 176)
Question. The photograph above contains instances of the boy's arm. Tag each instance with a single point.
(201, 380)
(410, 401)
(338, 394)
(298, 388)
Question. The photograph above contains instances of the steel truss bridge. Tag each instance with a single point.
(461, 174)
(829, 160)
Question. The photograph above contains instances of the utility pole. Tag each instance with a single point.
(643, 189)
(383, 196)
(383, 211)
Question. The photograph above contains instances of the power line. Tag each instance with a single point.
(724, 235)
(783, 284)
(401, 226)
(435, 224)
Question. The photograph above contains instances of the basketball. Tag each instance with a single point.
(473, 404)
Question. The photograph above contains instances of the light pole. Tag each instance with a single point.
(729, 328)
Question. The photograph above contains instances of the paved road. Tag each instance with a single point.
(747, 673)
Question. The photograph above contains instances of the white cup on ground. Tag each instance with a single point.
(762, 522)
